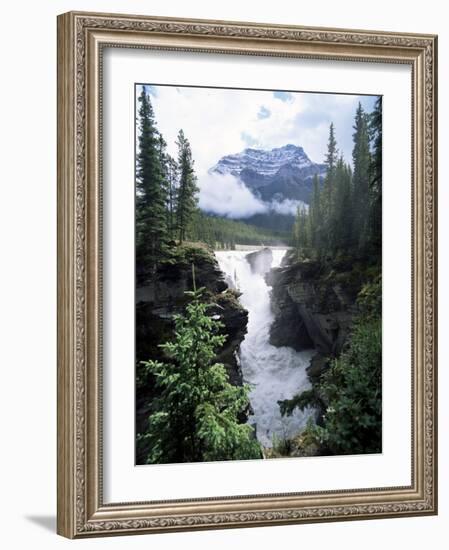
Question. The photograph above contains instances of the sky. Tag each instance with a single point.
(219, 122)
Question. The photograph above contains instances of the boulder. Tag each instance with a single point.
(260, 261)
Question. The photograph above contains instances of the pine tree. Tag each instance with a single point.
(327, 198)
(345, 214)
(172, 185)
(151, 221)
(300, 231)
(341, 229)
(332, 152)
(361, 186)
(315, 217)
(162, 148)
(195, 416)
(187, 199)
(375, 135)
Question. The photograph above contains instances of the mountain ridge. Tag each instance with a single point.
(273, 175)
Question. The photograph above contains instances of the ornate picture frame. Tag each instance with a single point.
(82, 39)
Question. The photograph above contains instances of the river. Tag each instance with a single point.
(274, 373)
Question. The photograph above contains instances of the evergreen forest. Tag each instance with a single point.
(192, 402)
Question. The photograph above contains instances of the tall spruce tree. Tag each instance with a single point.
(172, 187)
(344, 215)
(151, 192)
(300, 231)
(375, 134)
(187, 199)
(361, 157)
(332, 152)
(341, 229)
(315, 220)
(327, 198)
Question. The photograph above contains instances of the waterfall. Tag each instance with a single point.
(274, 373)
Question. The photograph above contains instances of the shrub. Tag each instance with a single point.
(195, 416)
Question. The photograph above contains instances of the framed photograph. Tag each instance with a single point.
(246, 274)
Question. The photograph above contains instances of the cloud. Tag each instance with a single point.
(219, 122)
(226, 195)
(263, 113)
(250, 141)
(287, 206)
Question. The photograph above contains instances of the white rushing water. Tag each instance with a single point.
(274, 373)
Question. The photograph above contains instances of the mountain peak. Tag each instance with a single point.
(264, 162)
(285, 172)
(292, 146)
(289, 147)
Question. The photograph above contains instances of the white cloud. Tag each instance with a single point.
(287, 206)
(219, 122)
(227, 196)
(223, 121)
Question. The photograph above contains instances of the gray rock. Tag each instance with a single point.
(260, 261)
(162, 296)
(318, 365)
(311, 309)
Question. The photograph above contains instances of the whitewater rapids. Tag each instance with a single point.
(274, 373)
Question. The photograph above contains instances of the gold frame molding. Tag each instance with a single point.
(81, 37)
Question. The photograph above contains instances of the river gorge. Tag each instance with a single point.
(274, 373)
(282, 319)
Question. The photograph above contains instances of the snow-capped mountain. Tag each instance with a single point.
(266, 163)
(281, 173)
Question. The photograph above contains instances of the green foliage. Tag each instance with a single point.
(352, 388)
(272, 221)
(172, 176)
(350, 392)
(344, 215)
(301, 231)
(375, 133)
(225, 233)
(331, 155)
(281, 446)
(301, 401)
(361, 156)
(303, 444)
(195, 416)
(328, 191)
(341, 230)
(369, 299)
(314, 219)
(151, 191)
(166, 191)
(187, 199)
(188, 253)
